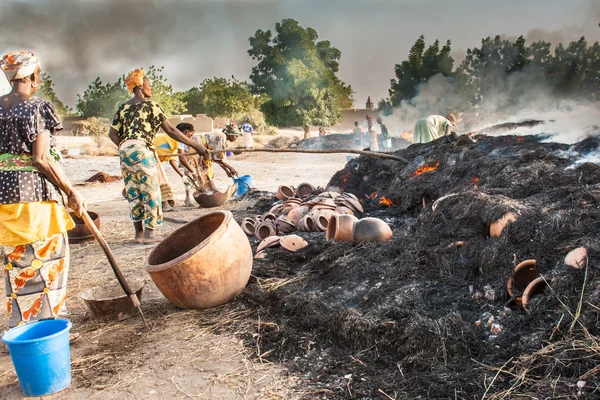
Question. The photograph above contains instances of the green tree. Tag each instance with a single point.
(102, 99)
(47, 93)
(421, 65)
(299, 76)
(192, 101)
(385, 106)
(222, 97)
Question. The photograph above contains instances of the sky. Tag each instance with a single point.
(78, 41)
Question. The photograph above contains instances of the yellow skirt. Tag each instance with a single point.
(24, 223)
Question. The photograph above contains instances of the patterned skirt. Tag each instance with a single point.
(142, 187)
(35, 277)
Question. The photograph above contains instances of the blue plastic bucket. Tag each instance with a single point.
(41, 355)
(244, 184)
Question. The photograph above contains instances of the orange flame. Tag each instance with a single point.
(520, 139)
(424, 168)
(475, 180)
(385, 201)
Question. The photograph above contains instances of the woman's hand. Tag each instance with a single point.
(76, 202)
(200, 149)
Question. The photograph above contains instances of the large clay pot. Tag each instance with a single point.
(285, 192)
(81, 233)
(341, 227)
(203, 264)
(371, 230)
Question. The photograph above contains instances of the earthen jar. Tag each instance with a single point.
(341, 227)
(533, 289)
(304, 189)
(322, 222)
(297, 214)
(524, 274)
(371, 230)
(285, 192)
(283, 225)
(344, 210)
(497, 226)
(203, 264)
(248, 226)
(264, 230)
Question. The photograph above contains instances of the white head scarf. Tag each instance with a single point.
(19, 64)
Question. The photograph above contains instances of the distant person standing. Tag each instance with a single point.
(247, 132)
(385, 135)
(433, 127)
(322, 131)
(374, 146)
(358, 135)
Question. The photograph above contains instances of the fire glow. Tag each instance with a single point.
(371, 196)
(385, 201)
(424, 168)
(475, 180)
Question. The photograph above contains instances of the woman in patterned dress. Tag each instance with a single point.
(33, 220)
(133, 129)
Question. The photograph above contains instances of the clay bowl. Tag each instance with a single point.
(524, 274)
(341, 227)
(264, 230)
(536, 287)
(577, 258)
(111, 303)
(81, 233)
(355, 204)
(205, 263)
(349, 195)
(498, 226)
(210, 196)
(304, 189)
(271, 241)
(371, 230)
(277, 209)
(293, 243)
(285, 192)
(248, 226)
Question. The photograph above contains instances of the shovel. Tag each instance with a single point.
(113, 263)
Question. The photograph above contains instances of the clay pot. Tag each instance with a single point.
(341, 227)
(283, 225)
(269, 217)
(210, 196)
(322, 222)
(371, 230)
(344, 210)
(297, 214)
(203, 264)
(81, 233)
(304, 189)
(248, 226)
(285, 192)
(524, 274)
(264, 230)
(536, 287)
(577, 258)
(497, 226)
(293, 243)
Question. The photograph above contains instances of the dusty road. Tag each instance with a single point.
(186, 354)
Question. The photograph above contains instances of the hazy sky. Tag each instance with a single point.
(80, 40)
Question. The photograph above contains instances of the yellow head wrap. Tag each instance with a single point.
(19, 64)
(135, 79)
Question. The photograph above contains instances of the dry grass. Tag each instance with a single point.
(102, 146)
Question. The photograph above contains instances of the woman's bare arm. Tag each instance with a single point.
(180, 137)
(54, 173)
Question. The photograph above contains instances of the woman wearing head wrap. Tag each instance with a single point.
(33, 220)
(433, 127)
(133, 129)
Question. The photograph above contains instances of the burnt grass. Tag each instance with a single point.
(401, 319)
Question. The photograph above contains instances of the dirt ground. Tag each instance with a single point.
(185, 354)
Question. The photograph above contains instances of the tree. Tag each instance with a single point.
(299, 76)
(102, 99)
(421, 65)
(47, 93)
(192, 101)
(222, 97)
(385, 106)
(162, 92)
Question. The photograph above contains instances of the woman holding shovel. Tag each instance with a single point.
(33, 220)
(134, 127)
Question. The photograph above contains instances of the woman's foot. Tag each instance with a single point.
(149, 237)
(139, 232)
